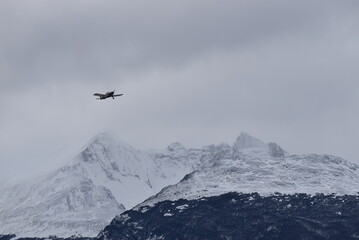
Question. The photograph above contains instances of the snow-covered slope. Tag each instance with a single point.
(63, 204)
(252, 166)
(107, 176)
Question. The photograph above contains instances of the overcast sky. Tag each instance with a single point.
(197, 72)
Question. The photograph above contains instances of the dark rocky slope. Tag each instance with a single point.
(242, 216)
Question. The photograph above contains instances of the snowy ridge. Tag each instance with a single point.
(250, 166)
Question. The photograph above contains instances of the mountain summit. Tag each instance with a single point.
(244, 140)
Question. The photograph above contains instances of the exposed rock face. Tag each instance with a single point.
(246, 141)
(275, 150)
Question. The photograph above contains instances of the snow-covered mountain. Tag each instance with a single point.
(250, 190)
(107, 176)
(253, 166)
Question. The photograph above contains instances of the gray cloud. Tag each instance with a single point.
(102, 40)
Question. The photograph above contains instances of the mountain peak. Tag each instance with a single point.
(107, 138)
(104, 137)
(244, 140)
(105, 146)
